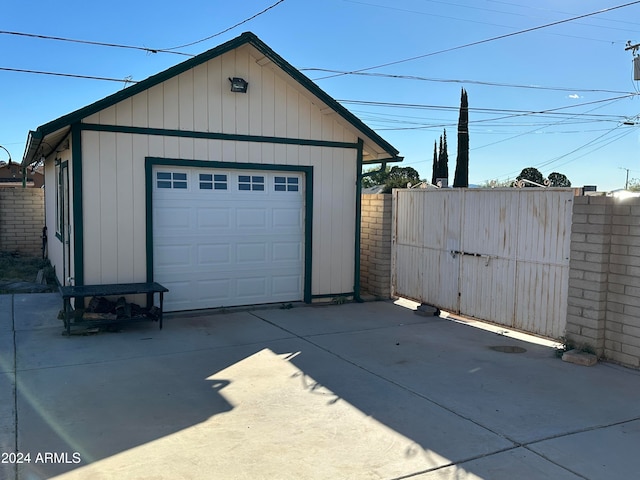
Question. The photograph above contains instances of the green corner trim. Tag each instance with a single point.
(356, 273)
(151, 162)
(78, 225)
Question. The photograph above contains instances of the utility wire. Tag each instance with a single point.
(134, 47)
(487, 40)
(541, 128)
(473, 82)
(90, 42)
(227, 29)
(511, 113)
(71, 75)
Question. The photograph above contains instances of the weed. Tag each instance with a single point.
(16, 267)
(567, 345)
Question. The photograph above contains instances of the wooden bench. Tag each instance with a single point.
(82, 291)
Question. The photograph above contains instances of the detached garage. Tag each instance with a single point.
(231, 178)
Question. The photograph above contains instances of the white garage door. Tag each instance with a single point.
(227, 237)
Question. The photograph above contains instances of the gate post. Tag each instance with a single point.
(588, 272)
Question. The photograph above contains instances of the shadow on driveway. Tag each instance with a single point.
(350, 391)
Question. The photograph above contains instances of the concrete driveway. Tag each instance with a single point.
(354, 391)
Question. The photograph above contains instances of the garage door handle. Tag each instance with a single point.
(455, 253)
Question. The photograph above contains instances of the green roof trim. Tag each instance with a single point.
(246, 38)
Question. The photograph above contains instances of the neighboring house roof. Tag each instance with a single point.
(57, 129)
(374, 190)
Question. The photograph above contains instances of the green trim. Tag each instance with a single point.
(356, 266)
(245, 38)
(148, 195)
(78, 225)
(215, 136)
(151, 162)
(308, 231)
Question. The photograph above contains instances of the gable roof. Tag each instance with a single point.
(61, 125)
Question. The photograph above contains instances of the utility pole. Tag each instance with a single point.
(636, 58)
(626, 183)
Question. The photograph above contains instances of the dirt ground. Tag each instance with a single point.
(20, 273)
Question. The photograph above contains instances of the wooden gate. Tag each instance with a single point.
(500, 255)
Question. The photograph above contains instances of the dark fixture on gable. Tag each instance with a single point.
(238, 85)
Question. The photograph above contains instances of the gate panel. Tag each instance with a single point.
(487, 286)
(426, 228)
(500, 255)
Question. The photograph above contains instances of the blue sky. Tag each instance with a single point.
(584, 63)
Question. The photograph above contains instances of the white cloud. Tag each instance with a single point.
(574, 96)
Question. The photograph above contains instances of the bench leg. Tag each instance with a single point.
(67, 310)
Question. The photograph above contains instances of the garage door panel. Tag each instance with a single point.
(172, 218)
(251, 253)
(213, 254)
(252, 287)
(173, 256)
(213, 217)
(219, 289)
(216, 248)
(287, 217)
(285, 284)
(287, 251)
(251, 218)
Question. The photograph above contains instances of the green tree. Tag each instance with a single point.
(634, 185)
(558, 180)
(461, 177)
(377, 178)
(532, 174)
(443, 160)
(399, 177)
(434, 170)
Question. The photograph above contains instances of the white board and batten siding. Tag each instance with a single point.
(200, 100)
(500, 255)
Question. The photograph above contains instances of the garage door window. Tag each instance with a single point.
(209, 181)
(286, 184)
(251, 182)
(171, 180)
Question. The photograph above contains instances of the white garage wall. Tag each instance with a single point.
(115, 215)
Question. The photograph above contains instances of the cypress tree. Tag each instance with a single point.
(461, 178)
(434, 170)
(444, 158)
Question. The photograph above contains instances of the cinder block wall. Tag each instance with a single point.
(604, 278)
(375, 248)
(21, 220)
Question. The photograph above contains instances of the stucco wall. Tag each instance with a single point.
(375, 252)
(604, 280)
(21, 220)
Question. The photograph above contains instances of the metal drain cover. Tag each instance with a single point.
(508, 349)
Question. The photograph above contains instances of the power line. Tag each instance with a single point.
(227, 29)
(90, 42)
(473, 82)
(71, 75)
(540, 128)
(510, 113)
(135, 47)
(501, 12)
(479, 42)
